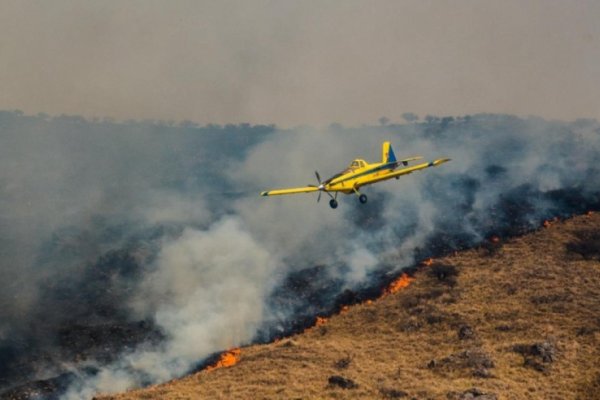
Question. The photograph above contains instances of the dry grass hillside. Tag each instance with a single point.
(510, 320)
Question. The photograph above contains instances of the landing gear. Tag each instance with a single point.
(333, 203)
(361, 197)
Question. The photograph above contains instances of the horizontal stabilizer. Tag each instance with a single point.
(406, 160)
(439, 162)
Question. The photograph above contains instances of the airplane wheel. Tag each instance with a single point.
(362, 198)
(333, 203)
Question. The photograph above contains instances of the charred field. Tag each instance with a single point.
(129, 256)
(512, 319)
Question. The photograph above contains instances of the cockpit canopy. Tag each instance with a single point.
(356, 164)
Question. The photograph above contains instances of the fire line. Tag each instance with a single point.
(227, 359)
(398, 284)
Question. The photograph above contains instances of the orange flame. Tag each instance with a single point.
(427, 262)
(227, 359)
(589, 213)
(398, 284)
(319, 321)
(494, 239)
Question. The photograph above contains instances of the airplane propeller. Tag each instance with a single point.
(321, 187)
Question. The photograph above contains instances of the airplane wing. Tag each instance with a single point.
(405, 171)
(278, 192)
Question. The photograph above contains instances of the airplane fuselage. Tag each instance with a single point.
(359, 173)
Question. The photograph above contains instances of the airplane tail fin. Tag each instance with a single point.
(387, 153)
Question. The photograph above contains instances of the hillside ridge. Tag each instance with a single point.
(514, 319)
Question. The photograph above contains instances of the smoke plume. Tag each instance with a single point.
(133, 251)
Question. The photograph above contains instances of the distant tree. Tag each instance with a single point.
(213, 127)
(447, 121)
(410, 117)
(71, 119)
(432, 119)
(188, 124)
(383, 121)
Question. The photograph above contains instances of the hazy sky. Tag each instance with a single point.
(300, 62)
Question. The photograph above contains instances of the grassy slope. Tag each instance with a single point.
(528, 290)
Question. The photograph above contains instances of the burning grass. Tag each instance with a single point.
(227, 359)
(519, 324)
(403, 281)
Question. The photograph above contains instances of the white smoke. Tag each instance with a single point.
(207, 292)
(209, 283)
(208, 287)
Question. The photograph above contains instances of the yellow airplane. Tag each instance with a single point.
(360, 173)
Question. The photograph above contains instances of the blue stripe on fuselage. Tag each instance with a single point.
(389, 165)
